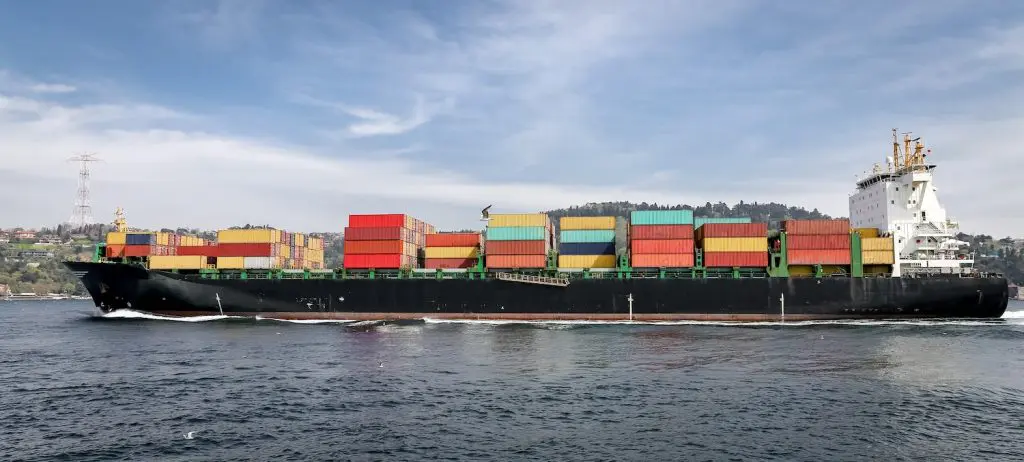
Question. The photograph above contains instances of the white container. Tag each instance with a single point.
(259, 262)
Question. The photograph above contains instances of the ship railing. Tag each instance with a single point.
(533, 279)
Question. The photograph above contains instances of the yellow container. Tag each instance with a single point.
(162, 238)
(315, 255)
(878, 257)
(230, 262)
(569, 223)
(876, 243)
(166, 262)
(300, 240)
(735, 244)
(248, 236)
(518, 219)
(451, 252)
(586, 261)
(866, 232)
(116, 238)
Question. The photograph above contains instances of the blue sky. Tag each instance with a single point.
(214, 113)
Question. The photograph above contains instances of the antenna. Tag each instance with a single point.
(81, 214)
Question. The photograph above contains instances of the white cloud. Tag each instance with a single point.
(52, 88)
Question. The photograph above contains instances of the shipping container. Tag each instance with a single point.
(876, 243)
(454, 239)
(262, 262)
(797, 227)
(819, 241)
(115, 251)
(517, 233)
(379, 247)
(230, 262)
(652, 260)
(661, 246)
(378, 261)
(736, 259)
(518, 220)
(248, 236)
(246, 250)
(639, 232)
(701, 221)
(818, 257)
(878, 257)
(586, 261)
(115, 237)
(661, 217)
(734, 244)
(587, 248)
(387, 220)
(451, 252)
(167, 262)
(139, 239)
(162, 238)
(378, 234)
(587, 235)
(732, 230)
(568, 223)
(144, 250)
(205, 250)
(516, 248)
(516, 261)
(867, 233)
(443, 263)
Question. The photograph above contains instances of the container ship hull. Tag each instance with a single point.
(121, 286)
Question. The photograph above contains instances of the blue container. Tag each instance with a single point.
(661, 217)
(699, 221)
(587, 235)
(139, 239)
(516, 233)
(587, 248)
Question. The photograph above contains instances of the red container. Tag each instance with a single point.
(378, 247)
(453, 240)
(638, 232)
(794, 227)
(516, 261)
(377, 220)
(435, 263)
(378, 234)
(732, 230)
(115, 250)
(818, 242)
(377, 261)
(740, 259)
(516, 248)
(678, 260)
(654, 246)
(265, 249)
(818, 257)
(200, 250)
(140, 250)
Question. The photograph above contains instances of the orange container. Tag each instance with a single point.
(794, 227)
(453, 240)
(115, 250)
(736, 259)
(818, 241)
(818, 257)
(663, 246)
(662, 260)
(516, 261)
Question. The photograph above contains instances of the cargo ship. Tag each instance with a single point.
(896, 257)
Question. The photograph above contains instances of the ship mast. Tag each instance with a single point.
(120, 224)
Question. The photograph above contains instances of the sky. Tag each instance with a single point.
(297, 113)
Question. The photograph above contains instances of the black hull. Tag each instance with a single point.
(117, 286)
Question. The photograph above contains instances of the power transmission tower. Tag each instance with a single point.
(81, 215)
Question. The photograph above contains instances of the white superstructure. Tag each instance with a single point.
(900, 200)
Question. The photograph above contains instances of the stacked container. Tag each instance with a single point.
(701, 221)
(259, 248)
(586, 242)
(661, 239)
(817, 242)
(520, 240)
(729, 245)
(451, 250)
(384, 241)
(876, 250)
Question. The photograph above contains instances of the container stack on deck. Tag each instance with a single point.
(875, 250)
(384, 241)
(260, 248)
(661, 239)
(586, 242)
(733, 245)
(701, 221)
(817, 242)
(518, 240)
(451, 250)
(144, 244)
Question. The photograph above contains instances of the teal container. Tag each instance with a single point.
(516, 233)
(661, 217)
(699, 221)
(583, 236)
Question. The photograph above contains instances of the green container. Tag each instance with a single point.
(516, 233)
(700, 221)
(581, 236)
(661, 217)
